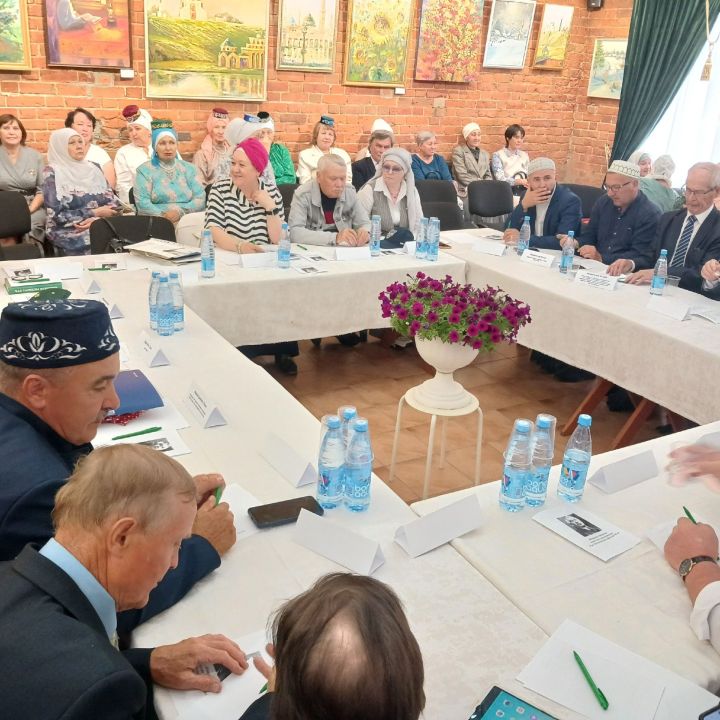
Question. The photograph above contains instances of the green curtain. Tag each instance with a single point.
(665, 39)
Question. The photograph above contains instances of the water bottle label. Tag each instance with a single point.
(572, 477)
(513, 483)
(658, 282)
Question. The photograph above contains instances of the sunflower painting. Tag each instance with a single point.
(376, 51)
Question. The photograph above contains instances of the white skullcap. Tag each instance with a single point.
(663, 168)
(240, 129)
(381, 124)
(470, 127)
(623, 167)
(541, 163)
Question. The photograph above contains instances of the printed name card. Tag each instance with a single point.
(352, 253)
(537, 258)
(288, 462)
(489, 247)
(409, 247)
(670, 307)
(89, 284)
(114, 311)
(119, 262)
(601, 281)
(206, 412)
(59, 270)
(258, 260)
(151, 351)
(439, 527)
(626, 473)
(334, 542)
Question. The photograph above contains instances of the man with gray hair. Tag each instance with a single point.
(365, 169)
(119, 522)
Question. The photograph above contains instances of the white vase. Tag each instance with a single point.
(443, 391)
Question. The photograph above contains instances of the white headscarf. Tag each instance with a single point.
(73, 177)
(403, 158)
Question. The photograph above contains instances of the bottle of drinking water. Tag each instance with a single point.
(375, 233)
(541, 453)
(283, 256)
(207, 254)
(421, 239)
(576, 461)
(331, 465)
(659, 277)
(568, 253)
(524, 240)
(347, 413)
(152, 298)
(178, 301)
(165, 309)
(433, 241)
(358, 467)
(517, 467)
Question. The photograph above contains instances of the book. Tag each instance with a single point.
(166, 250)
(23, 280)
(136, 392)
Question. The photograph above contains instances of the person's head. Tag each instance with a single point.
(426, 143)
(217, 124)
(59, 359)
(396, 166)
(83, 121)
(380, 141)
(266, 134)
(331, 175)
(323, 135)
(239, 129)
(164, 141)
(541, 174)
(12, 131)
(514, 136)
(249, 160)
(702, 187)
(139, 125)
(643, 161)
(663, 170)
(471, 133)
(344, 650)
(622, 183)
(124, 513)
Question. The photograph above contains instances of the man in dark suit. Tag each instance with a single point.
(691, 236)
(119, 522)
(365, 169)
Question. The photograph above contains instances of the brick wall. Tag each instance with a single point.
(560, 120)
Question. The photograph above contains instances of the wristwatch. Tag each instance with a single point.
(688, 564)
(274, 211)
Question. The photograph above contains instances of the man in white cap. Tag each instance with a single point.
(131, 156)
(469, 161)
(365, 169)
(553, 209)
(623, 223)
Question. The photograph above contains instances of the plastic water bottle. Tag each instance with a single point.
(568, 254)
(207, 254)
(165, 309)
(659, 277)
(517, 467)
(524, 239)
(541, 453)
(375, 233)
(178, 301)
(358, 468)
(347, 413)
(152, 298)
(576, 461)
(433, 241)
(421, 239)
(331, 465)
(283, 256)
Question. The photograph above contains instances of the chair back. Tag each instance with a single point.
(448, 213)
(109, 235)
(588, 195)
(490, 198)
(436, 191)
(14, 214)
(287, 190)
(23, 251)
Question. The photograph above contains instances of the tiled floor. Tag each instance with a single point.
(374, 378)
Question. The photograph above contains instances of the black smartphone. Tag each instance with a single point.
(711, 714)
(283, 512)
(499, 703)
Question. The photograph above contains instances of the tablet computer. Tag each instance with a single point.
(502, 705)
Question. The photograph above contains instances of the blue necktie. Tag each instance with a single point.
(678, 258)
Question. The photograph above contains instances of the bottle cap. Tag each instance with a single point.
(174, 274)
(163, 278)
(333, 422)
(156, 273)
(663, 252)
(527, 218)
(360, 425)
(543, 422)
(571, 233)
(585, 421)
(349, 412)
(522, 426)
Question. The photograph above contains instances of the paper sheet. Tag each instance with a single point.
(167, 417)
(166, 440)
(239, 500)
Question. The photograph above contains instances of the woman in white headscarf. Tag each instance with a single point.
(76, 194)
(138, 151)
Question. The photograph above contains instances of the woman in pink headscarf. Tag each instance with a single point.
(213, 158)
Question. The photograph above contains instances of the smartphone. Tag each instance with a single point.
(283, 512)
(711, 714)
(499, 703)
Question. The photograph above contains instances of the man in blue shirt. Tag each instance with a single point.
(622, 224)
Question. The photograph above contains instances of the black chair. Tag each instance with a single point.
(588, 195)
(435, 191)
(490, 200)
(131, 199)
(108, 235)
(14, 214)
(287, 191)
(24, 251)
(448, 213)
(208, 188)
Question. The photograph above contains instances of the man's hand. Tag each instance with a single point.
(711, 271)
(363, 236)
(215, 524)
(173, 666)
(641, 277)
(511, 236)
(620, 267)
(589, 252)
(690, 540)
(268, 671)
(533, 197)
(206, 484)
(347, 237)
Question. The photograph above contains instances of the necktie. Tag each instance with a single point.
(678, 258)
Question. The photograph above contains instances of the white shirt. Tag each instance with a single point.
(365, 198)
(308, 160)
(705, 616)
(127, 160)
(97, 155)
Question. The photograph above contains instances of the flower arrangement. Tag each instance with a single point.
(428, 308)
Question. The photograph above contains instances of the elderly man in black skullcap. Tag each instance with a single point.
(58, 360)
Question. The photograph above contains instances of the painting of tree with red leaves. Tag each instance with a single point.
(449, 40)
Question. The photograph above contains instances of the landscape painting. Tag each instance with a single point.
(608, 66)
(307, 35)
(206, 49)
(509, 33)
(376, 48)
(449, 40)
(553, 37)
(14, 36)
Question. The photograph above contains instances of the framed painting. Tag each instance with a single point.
(206, 49)
(449, 40)
(88, 33)
(306, 35)
(608, 66)
(509, 33)
(553, 37)
(376, 48)
(14, 36)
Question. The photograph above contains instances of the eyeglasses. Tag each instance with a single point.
(617, 188)
(687, 192)
(392, 169)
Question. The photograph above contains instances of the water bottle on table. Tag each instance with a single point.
(516, 472)
(568, 254)
(358, 467)
(284, 248)
(576, 461)
(541, 453)
(421, 239)
(207, 254)
(433, 241)
(331, 465)
(165, 309)
(347, 413)
(178, 301)
(375, 233)
(659, 277)
(524, 239)
(152, 298)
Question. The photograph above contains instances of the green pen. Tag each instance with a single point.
(99, 269)
(597, 692)
(689, 515)
(263, 689)
(301, 246)
(218, 494)
(139, 432)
